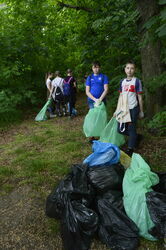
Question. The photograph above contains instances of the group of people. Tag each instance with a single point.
(131, 88)
(63, 92)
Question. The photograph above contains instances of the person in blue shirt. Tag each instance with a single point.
(96, 86)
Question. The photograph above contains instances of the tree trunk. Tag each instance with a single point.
(150, 56)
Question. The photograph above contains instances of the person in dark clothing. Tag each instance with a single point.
(70, 90)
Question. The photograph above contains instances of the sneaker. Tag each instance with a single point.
(59, 114)
(52, 115)
(129, 151)
(71, 117)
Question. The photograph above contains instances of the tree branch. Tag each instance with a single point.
(74, 7)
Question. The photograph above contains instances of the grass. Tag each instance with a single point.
(48, 149)
(40, 154)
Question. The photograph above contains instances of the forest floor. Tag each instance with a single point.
(34, 157)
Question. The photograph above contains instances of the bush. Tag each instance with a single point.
(10, 102)
(81, 87)
(157, 124)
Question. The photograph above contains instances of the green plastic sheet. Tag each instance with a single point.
(95, 121)
(137, 181)
(111, 135)
(42, 115)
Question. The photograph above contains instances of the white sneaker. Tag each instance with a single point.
(52, 116)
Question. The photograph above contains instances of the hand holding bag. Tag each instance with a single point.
(122, 112)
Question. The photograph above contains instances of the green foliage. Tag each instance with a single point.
(161, 30)
(12, 104)
(8, 111)
(81, 87)
(156, 82)
(157, 124)
(41, 36)
(162, 2)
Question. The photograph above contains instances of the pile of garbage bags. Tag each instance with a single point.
(100, 198)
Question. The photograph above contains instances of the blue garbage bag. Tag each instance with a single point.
(103, 154)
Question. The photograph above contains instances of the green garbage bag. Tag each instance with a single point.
(42, 115)
(111, 135)
(137, 181)
(95, 121)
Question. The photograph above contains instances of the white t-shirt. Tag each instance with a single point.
(48, 83)
(131, 88)
(58, 82)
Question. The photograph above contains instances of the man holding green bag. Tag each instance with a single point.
(96, 88)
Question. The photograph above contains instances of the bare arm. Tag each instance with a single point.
(51, 91)
(104, 92)
(114, 115)
(49, 86)
(74, 84)
(141, 113)
(140, 100)
(89, 94)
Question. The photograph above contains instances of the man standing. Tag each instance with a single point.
(131, 87)
(96, 86)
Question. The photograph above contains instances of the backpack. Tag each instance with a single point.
(66, 87)
(58, 94)
(58, 91)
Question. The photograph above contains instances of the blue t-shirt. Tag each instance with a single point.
(96, 83)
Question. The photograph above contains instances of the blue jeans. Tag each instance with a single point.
(91, 103)
(71, 99)
(130, 127)
(51, 108)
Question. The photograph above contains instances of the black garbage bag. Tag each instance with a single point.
(114, 197)
(105, 178)
(78, 226)
(75, 186)
(156, 203)
(79, 178)
(161, 186)
(55, 202)
(81, 185)
(116, 230)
